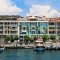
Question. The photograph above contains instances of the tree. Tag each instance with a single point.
(11, 38)
(26, 39)
(6, 38)
(31, 41)
(35, 37)
(45, 37)
(15, 37)
(52, 37)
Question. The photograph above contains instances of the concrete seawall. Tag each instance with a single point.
(55, 46)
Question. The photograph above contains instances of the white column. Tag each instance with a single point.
(29, 28)
(10, 29)
(18, 29)
(56, 30)
(48, 28)
(37, 31)
(3, 29)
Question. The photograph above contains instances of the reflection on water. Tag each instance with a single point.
(1, 52)
(39, 52)
(29, 54)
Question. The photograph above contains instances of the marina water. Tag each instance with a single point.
(29, 54)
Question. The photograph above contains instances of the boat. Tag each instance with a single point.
(2, 45)
(56, 46)
(2, 48)
(48, 45)
(38, 45)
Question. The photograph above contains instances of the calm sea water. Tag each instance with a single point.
(29, 54)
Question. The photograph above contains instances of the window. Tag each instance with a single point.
(21, 36)
(51, 32)
(51, 23)
(23, 32)
(32, 32)
(14, 18)
(51, 27)
(58, 32)
(1, 32)
(58, 27)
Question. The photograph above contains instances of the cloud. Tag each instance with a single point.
(42, 10)
(7, 7)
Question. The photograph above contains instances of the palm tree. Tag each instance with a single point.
(45, 37)
(35, 37)
(12, 38)
(15, 37)
(26, 39)
(6, 38)
(53, 37)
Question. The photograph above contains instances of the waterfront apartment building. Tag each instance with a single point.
(8, 25)
(54, 26)
(39, 26)
(29, 25)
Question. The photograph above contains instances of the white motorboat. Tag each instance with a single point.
(39, 45)
(2, 48)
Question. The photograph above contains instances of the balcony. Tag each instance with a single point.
(23, 30)
(52, 29)
(52, 32)
(13, 25)
(52, 26)
(13, 32)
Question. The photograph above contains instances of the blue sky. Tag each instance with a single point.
(26, 4)
(27, 7)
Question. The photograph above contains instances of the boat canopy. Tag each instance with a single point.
(39, 40)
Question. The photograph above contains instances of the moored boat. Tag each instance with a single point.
(48, 45)
(2, 48)
(39, 45)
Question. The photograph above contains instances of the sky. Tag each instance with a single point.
(48, 8)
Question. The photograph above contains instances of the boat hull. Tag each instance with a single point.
(1, 49)
(39, 48)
